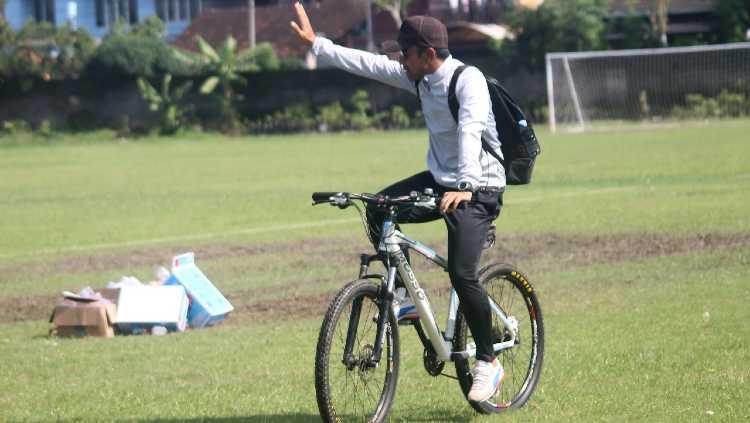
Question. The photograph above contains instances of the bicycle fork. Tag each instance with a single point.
(386, 299)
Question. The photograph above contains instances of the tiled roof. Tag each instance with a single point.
(332, 18)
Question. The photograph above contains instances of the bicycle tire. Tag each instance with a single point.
(523, 362)
(355, 394)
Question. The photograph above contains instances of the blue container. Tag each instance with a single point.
(207, 306)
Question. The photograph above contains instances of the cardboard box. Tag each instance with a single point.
(140, 308)
(76, 319)
(207, 306)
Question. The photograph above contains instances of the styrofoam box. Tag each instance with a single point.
(139, 306)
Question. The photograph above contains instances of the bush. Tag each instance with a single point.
(167, 102)
(394, 118)
(297, 118)
(331, 118)
(726, 104)
(43, 51)
(130, 55)
(12, 127)
(265, 57)
(151, 27)
(291, 63)
(733, 104)
(360, 104)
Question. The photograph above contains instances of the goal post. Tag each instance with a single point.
(586, 89)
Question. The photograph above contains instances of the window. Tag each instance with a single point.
(195, 8)
(171, 8)
(160, 10)
(123, 11)
(109, 11)
(44, 10)
(133, 11)
(177, 10)
(99, 6)
(183, 9)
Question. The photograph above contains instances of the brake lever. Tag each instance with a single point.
(341, 202)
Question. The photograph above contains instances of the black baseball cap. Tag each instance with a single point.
(418, 30)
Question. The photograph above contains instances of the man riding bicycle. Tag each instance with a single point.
(469, 180)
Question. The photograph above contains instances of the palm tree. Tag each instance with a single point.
(225, 66)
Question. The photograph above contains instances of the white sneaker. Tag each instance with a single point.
(403, 306)
(487, 378)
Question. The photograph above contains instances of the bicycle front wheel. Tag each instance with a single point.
(349, 387)
(513, 294)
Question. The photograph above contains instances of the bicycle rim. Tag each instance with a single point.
(513, 293)
(354, 392)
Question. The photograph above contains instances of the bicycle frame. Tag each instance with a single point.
(392, 243)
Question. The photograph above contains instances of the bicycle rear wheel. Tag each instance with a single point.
(514, 295)
(348, 388)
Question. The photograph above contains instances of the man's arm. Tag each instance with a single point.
(358, 62)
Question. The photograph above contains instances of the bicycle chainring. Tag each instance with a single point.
(431, 363)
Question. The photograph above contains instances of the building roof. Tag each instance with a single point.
(332, 19)
(621, 7)
(475, 31)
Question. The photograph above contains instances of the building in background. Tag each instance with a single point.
(98, 16)
(343, 21)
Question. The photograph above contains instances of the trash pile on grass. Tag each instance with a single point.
(181, 299)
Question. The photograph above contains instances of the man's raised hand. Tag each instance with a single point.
(304, 29)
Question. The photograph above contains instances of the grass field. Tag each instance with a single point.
(638, 242)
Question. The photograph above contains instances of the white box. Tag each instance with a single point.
(142, 307)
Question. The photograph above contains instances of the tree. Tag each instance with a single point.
(133, 55)
(152, 27)
(224, 67)
(396, 8)
(659, 15)
(733, 20)
(166, 102)
(579, 24)
(553, 26)
(636, 29)
(43, 51)
(535, 35)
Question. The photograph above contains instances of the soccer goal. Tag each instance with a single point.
(590, 89)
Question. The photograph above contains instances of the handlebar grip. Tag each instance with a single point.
(323, 197)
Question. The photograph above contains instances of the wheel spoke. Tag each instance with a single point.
(509, 292)
(357, 394)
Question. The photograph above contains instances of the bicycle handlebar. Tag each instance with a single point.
(343, 199)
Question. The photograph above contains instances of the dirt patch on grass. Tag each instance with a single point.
(21, 309)
(140, 257)
(578, 250)
(539, 252)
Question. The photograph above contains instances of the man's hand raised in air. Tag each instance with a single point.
(304, 29)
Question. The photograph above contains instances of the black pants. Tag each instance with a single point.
(467, 231)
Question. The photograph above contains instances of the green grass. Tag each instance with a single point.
(660, 337)
(655, 340)
(82, 196)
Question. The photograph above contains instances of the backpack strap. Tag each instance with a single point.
(419, 98)
(453, 105)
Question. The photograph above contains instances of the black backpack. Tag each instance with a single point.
(518, 141)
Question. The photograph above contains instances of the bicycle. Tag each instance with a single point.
(360, 330)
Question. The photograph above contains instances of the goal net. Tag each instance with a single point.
(588, 89)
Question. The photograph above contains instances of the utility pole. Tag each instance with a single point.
(370, 40)
(251, 22)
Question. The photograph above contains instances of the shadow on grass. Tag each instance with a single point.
(434, 416)
(291, 418)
